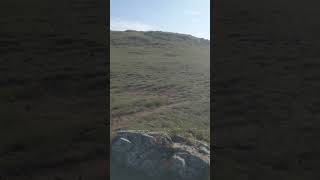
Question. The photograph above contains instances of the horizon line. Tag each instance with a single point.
(162, 31)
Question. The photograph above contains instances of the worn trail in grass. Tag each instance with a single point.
(124, 121)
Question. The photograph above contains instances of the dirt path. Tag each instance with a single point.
(121, 122)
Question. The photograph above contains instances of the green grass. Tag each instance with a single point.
(127, 103)
(166, 75)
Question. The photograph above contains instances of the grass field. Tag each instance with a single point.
(160, 82)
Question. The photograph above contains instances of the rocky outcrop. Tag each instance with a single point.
(158, 156)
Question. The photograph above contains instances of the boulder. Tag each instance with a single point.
(156, 155)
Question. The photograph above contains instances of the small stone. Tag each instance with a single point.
(204, 150)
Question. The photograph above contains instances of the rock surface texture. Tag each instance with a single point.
(137, 155)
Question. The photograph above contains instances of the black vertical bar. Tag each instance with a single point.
(212, 98)
(108, 88)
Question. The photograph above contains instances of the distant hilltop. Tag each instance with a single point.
(154, 38)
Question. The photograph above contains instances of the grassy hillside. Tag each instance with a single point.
(160, 81)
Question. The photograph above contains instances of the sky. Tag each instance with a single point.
(180, 16)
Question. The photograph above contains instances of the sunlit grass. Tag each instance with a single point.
(170, 82)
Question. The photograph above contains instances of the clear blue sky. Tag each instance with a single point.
(182, 16)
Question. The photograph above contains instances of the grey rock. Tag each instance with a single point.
(204, 150)
(178, 139)
(156, 155)
(178, 165)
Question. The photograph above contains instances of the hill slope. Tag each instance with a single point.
(160, 81)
